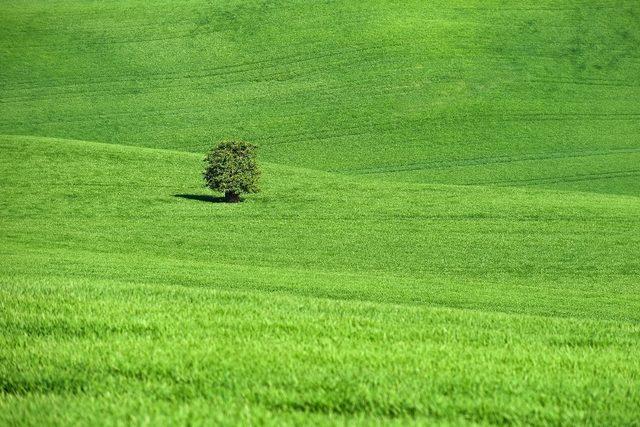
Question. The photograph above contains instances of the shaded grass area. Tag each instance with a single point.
(325, 299)
(201, 198)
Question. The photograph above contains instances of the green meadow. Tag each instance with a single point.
(448, 231)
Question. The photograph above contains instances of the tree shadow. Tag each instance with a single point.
(201, 198)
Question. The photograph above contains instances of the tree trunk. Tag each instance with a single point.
(231, 197)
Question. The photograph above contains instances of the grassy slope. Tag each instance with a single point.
(327, 297)
(321, 299)
(439, 91)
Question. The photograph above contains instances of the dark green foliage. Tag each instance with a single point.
(232, 169)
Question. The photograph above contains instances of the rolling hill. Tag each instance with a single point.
(449, 231)
(448, 91)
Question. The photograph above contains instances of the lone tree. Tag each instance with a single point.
(231, 168)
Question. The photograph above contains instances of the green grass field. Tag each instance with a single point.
(448, 232)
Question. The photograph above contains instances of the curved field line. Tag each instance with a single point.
(564, 178)
(446, 164)
(583, 83)
(273, 62)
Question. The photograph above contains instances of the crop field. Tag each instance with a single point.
(448, 231)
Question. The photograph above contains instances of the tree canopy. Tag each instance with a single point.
(231, 168)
